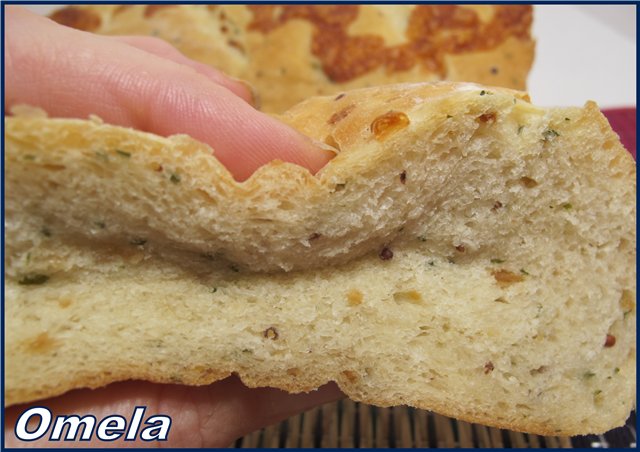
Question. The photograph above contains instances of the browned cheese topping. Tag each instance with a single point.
(77, 18)
(433, 32)
(150, 10)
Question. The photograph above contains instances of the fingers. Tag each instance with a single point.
(207, 416)
(119, 398)
(246, 410)
(165, 50)
(70, 73)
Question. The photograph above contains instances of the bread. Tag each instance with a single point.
(292, 52)
(466, 252)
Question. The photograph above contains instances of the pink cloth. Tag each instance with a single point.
(623, 122)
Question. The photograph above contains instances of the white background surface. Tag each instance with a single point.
(583, 52)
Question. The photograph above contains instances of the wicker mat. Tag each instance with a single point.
(350, 424)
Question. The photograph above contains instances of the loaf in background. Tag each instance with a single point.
(291, 52)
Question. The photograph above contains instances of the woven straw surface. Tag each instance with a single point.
(348, 424)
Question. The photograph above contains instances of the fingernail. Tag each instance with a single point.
(254, 96)
(318, 155)
(325, 147)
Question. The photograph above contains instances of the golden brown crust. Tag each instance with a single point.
(293, 52)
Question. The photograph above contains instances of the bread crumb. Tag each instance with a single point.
(488, 367)
(271, 333)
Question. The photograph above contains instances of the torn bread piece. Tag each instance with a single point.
(466, 252)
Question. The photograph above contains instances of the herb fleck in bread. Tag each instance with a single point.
(466, 252)
(292, 52)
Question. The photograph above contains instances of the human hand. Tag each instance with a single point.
(205, 416)
(147, 84)
(144, 83)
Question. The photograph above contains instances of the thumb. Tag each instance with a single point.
(203, 416)
(71, 73)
